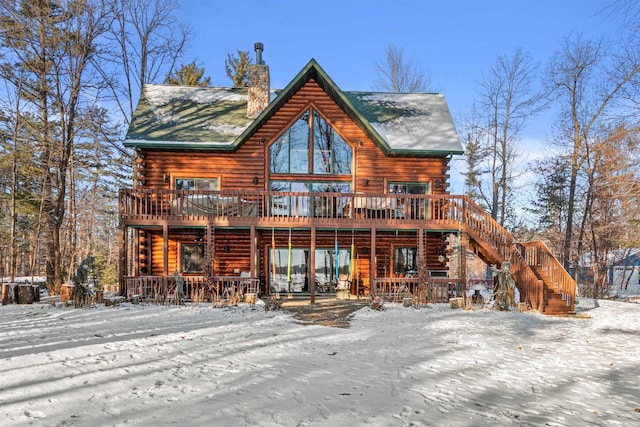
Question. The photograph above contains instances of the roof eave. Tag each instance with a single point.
(421, 153)
(179, 145)
(315, 71)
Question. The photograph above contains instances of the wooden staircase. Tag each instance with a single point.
(558, 286)
(542, 281)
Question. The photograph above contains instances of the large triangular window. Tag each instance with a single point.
(310, 146)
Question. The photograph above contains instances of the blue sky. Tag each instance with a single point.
(456, 41)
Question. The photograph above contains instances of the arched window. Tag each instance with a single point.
(310, 146)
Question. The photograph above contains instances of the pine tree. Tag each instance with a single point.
(238, 68)
(52, 47)
(188, 75)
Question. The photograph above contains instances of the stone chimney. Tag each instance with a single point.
(258, 85)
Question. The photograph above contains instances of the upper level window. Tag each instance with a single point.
(410, 207)
(331, 154)
(310, 146)
(197, 184)
(408, 188)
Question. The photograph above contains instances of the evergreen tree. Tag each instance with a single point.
(52, 46)
(188, 75)
(237, 68)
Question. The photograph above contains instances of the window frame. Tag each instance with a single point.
(196, 178)
(406, 267)
(183, 248)
(311, 173)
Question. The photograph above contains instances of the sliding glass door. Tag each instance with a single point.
(289, 269)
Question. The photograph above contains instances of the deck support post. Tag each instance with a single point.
(312, 267)
(422, 253)
(122, 256)
(210, 250)
(464, 246)
(252, 252)
(136, 252)
(373, 261)
(165, 249)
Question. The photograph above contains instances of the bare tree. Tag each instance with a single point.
(59, 154)
(398, 74)
(52, 45)
(613, 192)
(472, 131)
(146, 43)
(507, 100)
(588, 80)
(11, 129)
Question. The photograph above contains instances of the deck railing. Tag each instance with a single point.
(182, 205)
(164, 289)
(348, 209)
(431, 290)
(530, 287)
(478, 223)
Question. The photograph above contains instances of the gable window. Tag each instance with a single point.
(191, 258)
(197, 184)
(310, 146)
(331, 154)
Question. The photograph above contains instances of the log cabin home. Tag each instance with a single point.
(309, 190)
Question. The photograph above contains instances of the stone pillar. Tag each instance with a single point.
(259, 85)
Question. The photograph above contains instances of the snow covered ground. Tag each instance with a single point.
(155, 365)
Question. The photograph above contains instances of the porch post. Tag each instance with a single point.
(210, 250)
(373, 261)
(136, 252)
(464, 244)
(165, 249)
(253, 258)
(422, 256)
(312, 266)
(122, 237)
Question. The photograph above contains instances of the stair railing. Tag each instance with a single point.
(530, 287)
(487, 231)
(479, 223)
(538, 254)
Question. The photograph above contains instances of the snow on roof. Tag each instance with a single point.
(24, 279)
(189, 114)
(615, 257)
(408, 122)
(159, 95)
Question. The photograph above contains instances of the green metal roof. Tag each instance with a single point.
(182, 117)
(175, 115)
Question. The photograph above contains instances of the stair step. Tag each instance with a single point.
(558, 312)
(557, 303)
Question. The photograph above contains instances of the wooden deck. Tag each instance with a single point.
(540, 278)
(283, 209)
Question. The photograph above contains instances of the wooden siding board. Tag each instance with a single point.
(237, 169)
